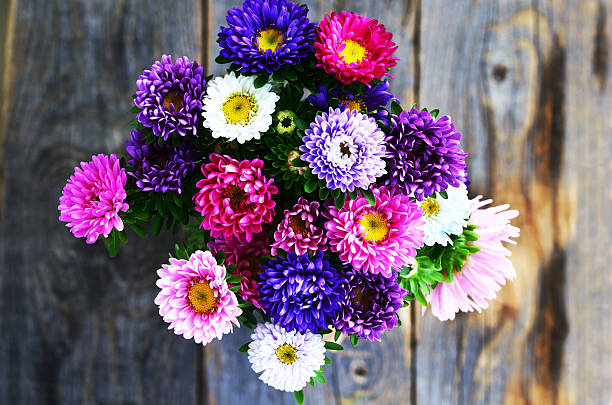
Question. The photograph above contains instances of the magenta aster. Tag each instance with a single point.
(376, 238)
(235, 198)
(93, 197)
(195, 298)
(353, 47)
(297, 232)
(484, 271)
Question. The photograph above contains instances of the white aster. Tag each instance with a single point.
(236, 110)
(286, 360)
(445, 216)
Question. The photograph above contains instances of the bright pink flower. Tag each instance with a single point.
(297, 232)
(245, 255)
(93, 197)
(354, 48)
(484, 271)
(235, 198)
(195, 298)
(376, 238)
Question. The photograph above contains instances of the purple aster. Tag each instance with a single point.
(160, 168)
(425, 156)
(301, 293)
(170, 96)
(345, 148)
(264, 35)
(369, 304)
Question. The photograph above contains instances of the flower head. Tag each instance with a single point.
(286, 359)
(195, 298)
(424, 154)
(297, 232)
(483, 271)
(235, 198)
(93, 198)
(263, 36)
(345, 148)
(236, 110)
(286, 122)
(300, 293)
(353, 47)
(376, 238)
(159, 168)
(369, 305)
(170, 96)
(445, 216)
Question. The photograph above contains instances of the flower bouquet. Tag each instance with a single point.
(320, 207)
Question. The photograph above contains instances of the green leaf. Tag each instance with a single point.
(300, 124)
(220, 257)
(354, 339)
(319, 377)
(339, 202)
(396, 108)
(261, 81)
(434, 113)
(140, 230)
(291, 75)
(369, 195)
(222, 60)
(333, 346)
(122, 237)
(299, 397)
(337, 335)
(310, 185)
(157, 224)
(327, 360)
(353, 194)
(244, 348)
(135, 110)
(234, 279)
(298, 162)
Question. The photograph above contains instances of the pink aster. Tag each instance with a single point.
(484, 271)
(353, 47)
(235, 198)
(245, 255)
(376, 238)
(93, 197)
(297, 232)
(195, 298)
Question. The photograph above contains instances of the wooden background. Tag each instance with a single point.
(526, 81)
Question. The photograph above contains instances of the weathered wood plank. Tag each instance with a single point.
(83, 329)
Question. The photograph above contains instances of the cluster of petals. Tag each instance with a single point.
(297, 231)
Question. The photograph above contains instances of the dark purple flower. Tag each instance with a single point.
(170, 96)
(265, 35)
(425, 156)
(160, 168)
(369, 304)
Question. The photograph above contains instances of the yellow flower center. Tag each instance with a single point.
(376, 227)
(238, 109)
(269, 39)
(174, 98)
(353, 52)
(202, 298)
(430, 206)
(355, 103)
(237, 196)
(286, 353)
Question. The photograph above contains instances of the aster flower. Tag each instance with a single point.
(425, 156)
(236, 110)
(376, 238)
(169, 95)
(345, 148)
(297, 232)
(445, 216)
(353, 47)
(93, 198)
(263, 36)
(286, 122)
(246, 256)
(195, 299)
(286, 360)
(283, 151)
(375, 97)
(369, 305)
(160, 168)
(484, 271)
(235, 198)
(300, 293)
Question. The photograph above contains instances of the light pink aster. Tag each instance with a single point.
(245, 255)
(297, 232)
(353, 47)
(376, 238)
(195, 298)
(93, 197)
(484, 271)
(235, 198)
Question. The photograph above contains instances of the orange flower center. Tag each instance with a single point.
(202, 298)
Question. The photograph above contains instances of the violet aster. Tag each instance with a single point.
(345, 148)
(160, 168)
(170, 96)
(265, 35)
(297, 232)
(369, 305)
(424, 154)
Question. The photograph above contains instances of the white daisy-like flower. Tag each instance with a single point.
(445, 216)
(286, 360)
(236, 110)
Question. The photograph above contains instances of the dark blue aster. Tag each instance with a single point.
(301, 293)
(264, 35)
